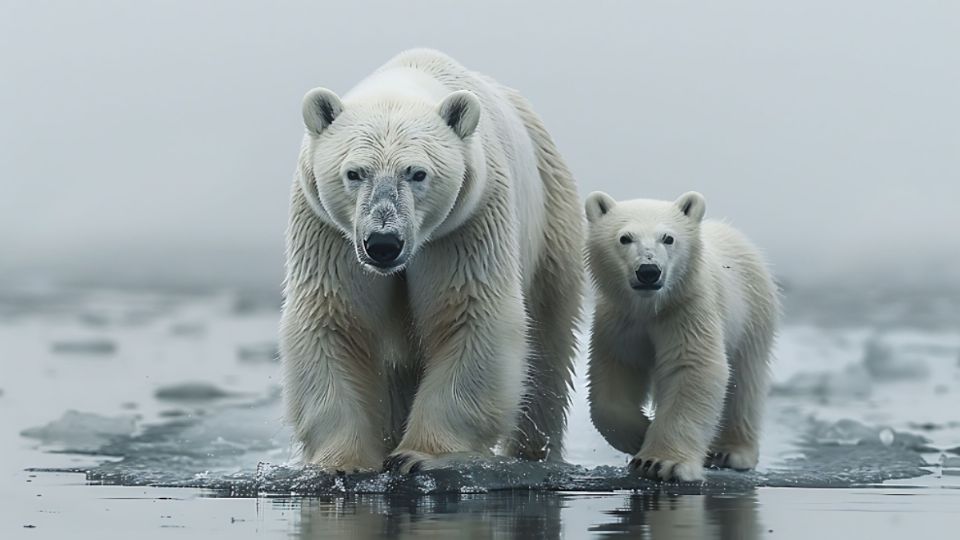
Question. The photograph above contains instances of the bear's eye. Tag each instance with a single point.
(419, 176)
(625, 239)
(668, 239)
(353, 175)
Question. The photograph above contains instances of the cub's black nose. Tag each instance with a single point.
(648, 274)
(383, 248)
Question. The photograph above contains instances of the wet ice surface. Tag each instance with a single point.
(225, 449)
(187, 395)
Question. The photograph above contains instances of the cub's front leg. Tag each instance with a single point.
(690, 381)
(619, 376)
(470, 319)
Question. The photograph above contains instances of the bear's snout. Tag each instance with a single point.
(383, 249)
(648, 275)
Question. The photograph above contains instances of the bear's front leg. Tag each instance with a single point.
(690, 381)
(334, 387)
(472, 331)
(619, 376)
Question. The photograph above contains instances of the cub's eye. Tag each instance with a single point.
(625, 239)
(353, 175)
(419, 176)
(668, 239)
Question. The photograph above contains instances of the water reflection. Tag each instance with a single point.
(508, 514)
(526, 514)
(659, 515)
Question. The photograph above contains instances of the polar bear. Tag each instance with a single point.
(685, 318)
(434, 273)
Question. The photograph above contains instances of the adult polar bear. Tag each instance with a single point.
(434, 272)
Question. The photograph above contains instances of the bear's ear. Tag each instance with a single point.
(461, 111)
(692, 205)
(320, 108)
(598, 203)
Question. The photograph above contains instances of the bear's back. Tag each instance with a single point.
(747, 290)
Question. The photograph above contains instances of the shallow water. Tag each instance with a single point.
(106, 396)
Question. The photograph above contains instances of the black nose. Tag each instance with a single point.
(648, 274)
(383, 248)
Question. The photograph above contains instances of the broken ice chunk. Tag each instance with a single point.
(84, 346)
(191, 391)
(82, 431)
(884, 364)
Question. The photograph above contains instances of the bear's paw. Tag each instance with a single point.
(737, 458)
(666, 469)
(407, 462)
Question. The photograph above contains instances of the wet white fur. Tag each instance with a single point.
(470, 343)
(697, 350)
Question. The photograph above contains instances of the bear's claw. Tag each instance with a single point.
(715, 460)
(396, 462)
(736, 459)
(405, 462)
(664, 470)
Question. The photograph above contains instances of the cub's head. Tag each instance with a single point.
(642, 247)
(387, 172)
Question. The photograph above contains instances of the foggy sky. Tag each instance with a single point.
(156, 141)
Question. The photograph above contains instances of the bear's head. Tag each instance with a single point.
(642, 247)
(388, 172)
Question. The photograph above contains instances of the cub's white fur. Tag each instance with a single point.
(464, 339)
(694, 340)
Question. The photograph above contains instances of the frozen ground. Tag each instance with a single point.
(165, 407)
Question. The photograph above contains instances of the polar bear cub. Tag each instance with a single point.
(686, 314)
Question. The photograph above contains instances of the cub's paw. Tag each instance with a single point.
(737, 458)
(661, 469)
(407, 462)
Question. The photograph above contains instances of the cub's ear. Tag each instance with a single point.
(692, 205)
(320, 108)
(598, 203)
(461, 111)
